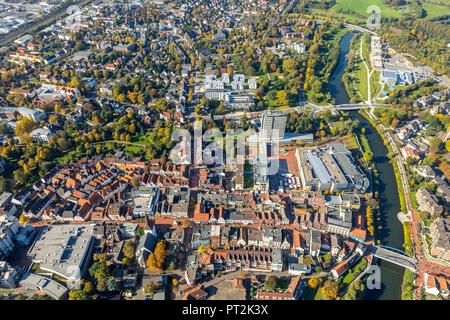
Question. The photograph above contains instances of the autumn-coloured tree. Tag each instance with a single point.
(369, 219)
(445, 168)
(151, 263)
(160, 254)
(88, 287)
(314, 282)
(330, 289)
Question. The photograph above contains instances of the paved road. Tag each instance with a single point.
(313, 108)
(358, 28)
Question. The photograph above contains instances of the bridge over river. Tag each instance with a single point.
(393, 255)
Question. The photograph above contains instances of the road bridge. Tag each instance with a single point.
(393, 255)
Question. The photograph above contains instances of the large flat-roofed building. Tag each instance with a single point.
(273, 125)
(63, 250)
(396, 77)
(330, 168)
(145, 200)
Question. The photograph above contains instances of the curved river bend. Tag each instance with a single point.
(392, 229)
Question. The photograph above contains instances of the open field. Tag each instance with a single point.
(361, 6)
(433, 9)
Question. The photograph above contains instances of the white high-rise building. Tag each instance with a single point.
(273, 125)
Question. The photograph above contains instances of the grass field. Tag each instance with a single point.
(434, 10)
(375, 86)
(361, 6)
(133, 148)
(314, 294)
(361, 82)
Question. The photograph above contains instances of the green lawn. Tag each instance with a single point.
(320, 296)
(333, 13)
(313, 294)
(361, 79)
(434, 10)
(375, 86)
(139, 139)
(361, 6)
(133, 148)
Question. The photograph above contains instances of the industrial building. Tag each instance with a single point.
(330, 168)
(63, 250)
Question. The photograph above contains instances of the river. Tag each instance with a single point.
(392, 230)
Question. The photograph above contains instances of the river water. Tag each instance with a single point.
(392, 230)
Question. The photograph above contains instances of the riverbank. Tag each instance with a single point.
(391, 155)
(407, 288)
(390, 229)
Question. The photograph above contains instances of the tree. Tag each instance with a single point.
(270, 283)
(150, 287)
(151, 263)
(99, 269)
(26, 125)
(140, 232)
(317, 86)
(22, 219)
(160, 254)
(132, 128)
(355, 291)
(281, 97)
(88, 287)
(330, 289)
(78, 295)
(314, 282)
(368, 155)
(409, 161)
(112, 285)
(289, 65)
(445, 168)
(129, 249)
(435, 144)
(429, 161)
(102, 285)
